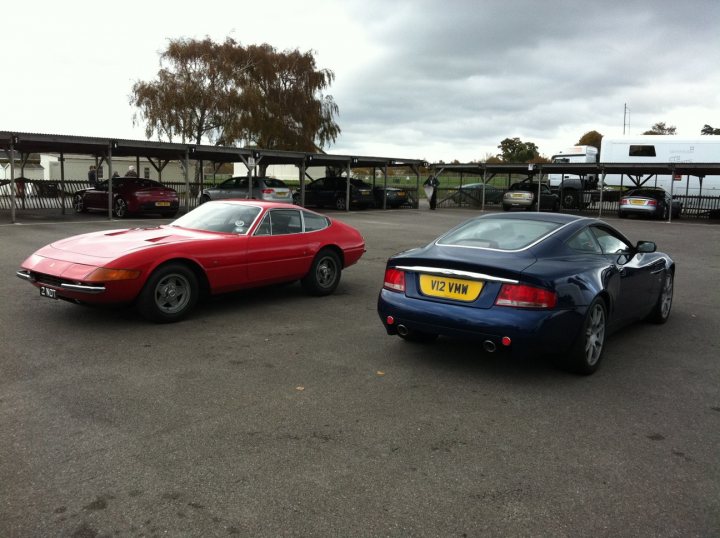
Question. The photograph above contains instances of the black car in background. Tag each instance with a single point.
(653, 202)
(395, 196)
(472, 194)
(332, 192)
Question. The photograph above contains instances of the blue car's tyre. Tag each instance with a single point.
(661, 311)
(585, 355)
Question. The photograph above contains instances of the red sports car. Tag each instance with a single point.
(219, 247)
(131, 195)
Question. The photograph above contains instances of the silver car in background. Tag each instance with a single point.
(263, 188)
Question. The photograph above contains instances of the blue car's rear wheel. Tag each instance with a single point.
(661, 310)
(585, 355)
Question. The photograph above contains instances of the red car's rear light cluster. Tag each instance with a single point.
(523, 296)
(394, 280)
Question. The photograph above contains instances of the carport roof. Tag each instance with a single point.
(692, 169)
(50, 143)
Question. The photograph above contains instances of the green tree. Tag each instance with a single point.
(283, 105)
(707, 130)
(661, 129)
(591, 138)
(514, 150)
(228, 93)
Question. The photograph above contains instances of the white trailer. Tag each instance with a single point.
(658, 149)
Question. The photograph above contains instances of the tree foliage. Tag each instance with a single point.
(661, 129)
(591, 138)
(514, 150)
(228, 93)
(708, 130)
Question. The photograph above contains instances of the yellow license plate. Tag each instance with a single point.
(162, 204)
(517, 195)
(637, 202)
(450, 288)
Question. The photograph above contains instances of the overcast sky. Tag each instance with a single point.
(422, 79)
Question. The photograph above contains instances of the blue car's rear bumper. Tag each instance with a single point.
(530, 331)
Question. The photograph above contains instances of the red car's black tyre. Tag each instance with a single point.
(120, 208)
(79, 204)
(169, 294)
(324, 274)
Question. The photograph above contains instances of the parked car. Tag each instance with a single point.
(536, 283)
(131, 195)
(218, 247)
(472, 194)
(332, 191)
(649, 202)
(396, 197)
(523, 195)
(264, 188)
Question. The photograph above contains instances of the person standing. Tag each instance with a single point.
(131, 172)
(431, 187)
(92, 176)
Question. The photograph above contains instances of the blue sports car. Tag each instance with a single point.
(539, 283)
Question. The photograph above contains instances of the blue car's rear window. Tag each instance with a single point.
(502, 234)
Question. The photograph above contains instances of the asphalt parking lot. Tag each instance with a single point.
(271, 413)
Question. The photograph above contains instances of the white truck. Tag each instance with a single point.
(571, 187)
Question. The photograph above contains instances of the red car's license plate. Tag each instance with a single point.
(48, 292)
(162, 204)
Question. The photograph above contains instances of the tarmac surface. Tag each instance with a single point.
(271, 413)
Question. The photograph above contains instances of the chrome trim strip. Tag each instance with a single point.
(25, 275)
(455, 272)
(82, 288)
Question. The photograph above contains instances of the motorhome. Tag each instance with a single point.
(659, 149)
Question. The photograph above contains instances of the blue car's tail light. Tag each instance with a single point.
(394, 280)
(523, 296)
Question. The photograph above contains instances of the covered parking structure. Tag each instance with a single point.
(637, 175)
(17, 147)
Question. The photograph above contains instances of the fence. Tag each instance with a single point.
(693, 206)
(38, 194)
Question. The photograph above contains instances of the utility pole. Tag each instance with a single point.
(626, 118)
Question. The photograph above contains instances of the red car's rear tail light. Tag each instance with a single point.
(394, 280)
(523, 296)
(651, 202)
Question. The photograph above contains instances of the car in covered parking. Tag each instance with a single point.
(332, 192)
(531, 284)
(264, 188)
(524, 194)
(218, 247)
(130, 196)
(395, 196)
(653, 202)
(472, 194)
